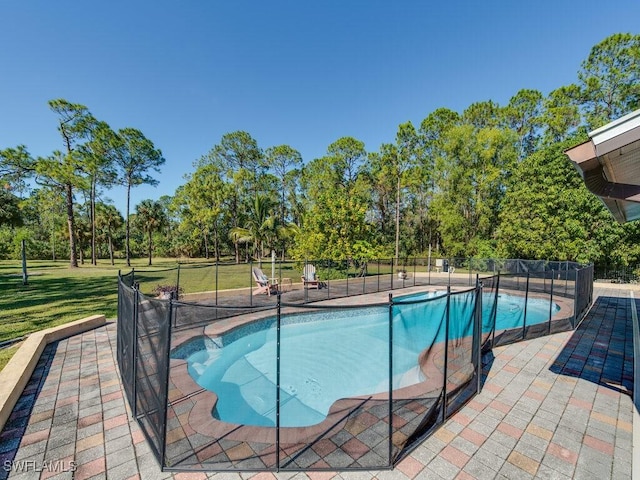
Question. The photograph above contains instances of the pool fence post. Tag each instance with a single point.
(134, 348)
(133, 276)
(278, 324)
(392, 273)
(347, 274)
(178, 281)
(329, 283)
(415, 262)
(566, 277)
(526, 301)
(390, 379)
(495, 311)
(478, 325)
(304, 285)
(165, 397)
(251, 282)
(575, 298)
(551, 301)
(364, 276)
(216, 283)
(446, 355)
(429, 266)
(378, 261)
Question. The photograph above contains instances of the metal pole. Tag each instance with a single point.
(165, 398)
(304, 286)
(364, 277)
(178, 282)
(134, 351)
(446, 355)
(414, 270)
(378, 261)
(478, 325)
(495, 311)
(390, 378)
(347, 272)
(216, 282)
(392, 274)
(526, 301)
(328, 283)
(278, 324)
(251, 282)
(551, 301)
(429, 265)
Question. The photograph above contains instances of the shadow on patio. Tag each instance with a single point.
(600, 350)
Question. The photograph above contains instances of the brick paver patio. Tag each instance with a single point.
(554, 407)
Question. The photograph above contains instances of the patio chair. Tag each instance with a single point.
(265, 284)
(309, 277)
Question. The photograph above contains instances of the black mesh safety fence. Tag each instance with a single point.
(127, 278)
(462, 347)
(333, 388)
(311, 280)
(150, 282)
(617, 273)
(215, 394)
(583, 293)
(490, 288)
(274, 381)
(417, 397)
(126, 338)
(555, 301)
(153, 329)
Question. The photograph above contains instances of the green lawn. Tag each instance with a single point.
(56, 294)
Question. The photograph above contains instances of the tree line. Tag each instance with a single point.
(490, 181)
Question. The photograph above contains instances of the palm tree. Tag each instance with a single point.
(108, 221)
(150, 217)
(261, 228)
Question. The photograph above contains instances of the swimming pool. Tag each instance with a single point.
(328, 355)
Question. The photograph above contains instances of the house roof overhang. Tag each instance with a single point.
(610, 165)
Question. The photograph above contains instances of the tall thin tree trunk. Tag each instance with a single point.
(127, 249)
(73, 250)
(94, 259)
(110, 247)
(206, 246)
(150, 246)
(398, 220)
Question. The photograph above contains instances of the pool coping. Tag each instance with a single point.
(17, 372)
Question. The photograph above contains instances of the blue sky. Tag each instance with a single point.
(288, 72)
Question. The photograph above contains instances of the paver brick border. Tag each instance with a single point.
(17, 372)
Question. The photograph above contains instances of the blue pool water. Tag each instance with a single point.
(325, 356)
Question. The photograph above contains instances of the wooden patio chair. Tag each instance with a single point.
(264, 283)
